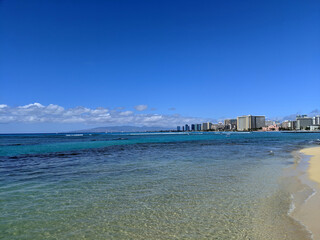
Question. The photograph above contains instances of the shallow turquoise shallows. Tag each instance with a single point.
(148, 186)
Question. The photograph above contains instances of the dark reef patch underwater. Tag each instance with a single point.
(148, 186)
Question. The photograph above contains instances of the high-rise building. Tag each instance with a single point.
(303, 122)
(292, 125)
(230, 124)
(260, 122)
(198, 127)
(243, 123)
(249, 122)
(193, 127)
(288, 125)
(187, 127)
(206, 126)
(178, 128)
(316, 120)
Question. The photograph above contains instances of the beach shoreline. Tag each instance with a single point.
(308, 212)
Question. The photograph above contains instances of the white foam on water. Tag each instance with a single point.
(74, 135)
(292, 205)
(314, 192)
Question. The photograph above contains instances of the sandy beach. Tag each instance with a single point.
(309, 212)
(314, 163)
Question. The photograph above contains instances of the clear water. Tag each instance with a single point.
(148, 186)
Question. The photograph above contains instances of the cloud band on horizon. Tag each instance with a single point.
(52, 113)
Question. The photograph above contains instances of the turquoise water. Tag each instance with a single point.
(148, 186)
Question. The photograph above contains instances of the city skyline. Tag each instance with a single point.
(256, 123)
(13, 120)
(72, 65)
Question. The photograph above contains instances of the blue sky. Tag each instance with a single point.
(181, 60)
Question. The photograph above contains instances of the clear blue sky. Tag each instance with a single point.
(207, 59)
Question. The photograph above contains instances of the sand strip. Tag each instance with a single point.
(309, 212)
(314, 163)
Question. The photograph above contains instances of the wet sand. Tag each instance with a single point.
(308, 213)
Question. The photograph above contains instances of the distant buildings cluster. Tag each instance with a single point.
(302, 122)
(256, 123)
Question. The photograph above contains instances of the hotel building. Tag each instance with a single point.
(303, 122)
(249, 122)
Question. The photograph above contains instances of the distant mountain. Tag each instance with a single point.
(122, 129)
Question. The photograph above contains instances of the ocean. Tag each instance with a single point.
(150, 185)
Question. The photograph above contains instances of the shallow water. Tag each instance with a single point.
(148, 186)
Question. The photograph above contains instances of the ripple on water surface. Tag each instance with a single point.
(214, 189)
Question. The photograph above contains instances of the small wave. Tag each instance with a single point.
(74, 135)
(292, 205)
(311, 195)
(292, 208)
(317, 141)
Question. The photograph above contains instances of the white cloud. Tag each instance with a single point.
(141, 107)
(32, 105)
(54, 109)
(126, 113)
(38, 113)
(153, 118)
